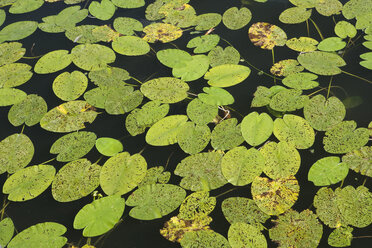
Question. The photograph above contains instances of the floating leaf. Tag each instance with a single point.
(367, 60)
(321, 63)
(235, 18)
(302, 44)
(197, 205)
(219, 56)
(26, 184)
(68, 117)
(203, 44)
(122, 173)
(155, 175)
(91, 57)
(20, 7)
(103, 10)
(301, 81)
(304, 3)
(266, 35)
(275, 196)
(183, 16)
(46, 235)
(294, 130)
(70, 86)
(263, 95)
(11, 52)
(130, 46)
(201, 171)
(323, 114)
(104, 33)
(155, 201)
(226, 135)
(207, 21)
(16, 151)
(193, 138)
(294, 229)
(28, 111)
(2, 16)
(327, 171)
(6, 231)
(286, 67)
(16, 74)
(360, 160)
(344, 137)
(329, 7)
(174, 58)
(165, 89)
(241, 166)
(109, 76)
(18, 30)
(127, 25)
(245, 235)
(193, 69)
(10, 96)
(331, 44)
(75, 180)
(73, 145)
(345, 29)
(281, 159)
(288, 100)
(83, 34)
(341, 237)
(129, 4)
(256, 128)
(227, 75)
(161, 32)
(216, 96)
(204, 238)
(99, 216)
(354, 8)
(295, 15)
(200, 112)
(109, 146)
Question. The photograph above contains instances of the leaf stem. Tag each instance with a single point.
(273, 55)
(166, 165)
(230, 108)
(23, 128)
(50, 160)
(317, 28)
(362, 237)
(329, 86)
(227, 191)
(5, 204)
(342, 183)
(99, 159)
(135, 79)
(364, 182)
(353, 75)
(307, 28)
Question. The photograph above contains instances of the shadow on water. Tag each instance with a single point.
(135, 233)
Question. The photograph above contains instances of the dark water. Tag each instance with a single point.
(135, 233)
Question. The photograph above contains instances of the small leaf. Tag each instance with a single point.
(341, 237)
(302, 44)
(13, 75)
(266, 35)
(53, 61)
(70, 86)
(345, 29)
(216, 96)
(200, 112)
(109, 146)
(197, 205)
(331, 44)
(227, 75)
(204, 238)
(360, 160)
(327, 171)
(193, 138)
(155, 175)
(91, 57)
(257, 128)
(226, 135)
(6, 231)
(203, 44)
(235, 18)
(130, 46)
(219, 56)
(165, 89)
(301, 81)
(295, 15)
(103, 10)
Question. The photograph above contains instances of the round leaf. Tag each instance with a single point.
(302, 44)
(11, 52)
(193, 138)
(165, 89)
(321, 63)
(53, 61)
(245, 235)
(103, 10)
(301, 81)
(15, 74)
(345, 29)
(207, 21)
(130, 46)
(216, 96)
(331, 44)
(200, 112)
(360, 160)
(109, 146)
(174, 58)
(227, 75)
(69, 86)
(256, 128)
(161, 32)
(295, 15)
(219, 56)
(235, 18)
(203, 44)
(92, 57)
(193, 69)
(266, 35)
(127, 25)
(327, 171)
(226, 135)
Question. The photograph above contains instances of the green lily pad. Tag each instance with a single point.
(331, 44)
(281, 159)
(345, 29)
(11, 52)
(193, 138)
(28, 111)
(129, 4)
(155, 175)
(174, 58)
(294, 130)
(16, 151)
(17, 30)
(75, 180)
(341, 237)
(294, 229)
(203, 44)
(360, 160)
(219, 56)
(304, 3)
(200, 112)
(103, 10)
(70, 86)
(87, 34)
(204, 238)
(109, 76)
(196, 205)
(127, 25)
(20, 7)
(344, 137)
(193, 69)
(162, 32)
(26, 184)
(165, 89)
(155, 201)
(329, 7)
(139, 119)
(2, 16)
(6, 231)
(109, 146)
(183, 16)
(13, 75)
(245, 235)
(321, 63)
(10, 96)
(130, 46)
(323, 114)
(216, 96)
(241, 166)
(235, 18)
(201, 172)
(266, 35)
(295, 15)
(354, 8)
(226, 135)
(327, 171)
(301, 81)
(91, 57)
(302, 44)
(99, 216)
(286, 67)
(46, 235)
(122, 173)
(275, 196)
(363, 20)
(68, 117)
(207, 21)
(288, 100)
(256, 128)
(73, 145)
(367, 60)
(263, 95)
(227, 75)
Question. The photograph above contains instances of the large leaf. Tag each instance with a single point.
(193, 69)
(6, 231)
(99, 216)
(12, 75)
(92, 57)
(174, 58)
(216, 96)
(226, 135)
(127, 25)
(227, 75)
(302, 44)
(329, 7)
(360, 160)
(70, 86)
(331, 44)
(219, 56)
(288, 100)
(321, 63)
(165, 89)
(103, 10)
(266, 35)
(155, 201)
(235, 18)
(246, 235)
(301, 81)
(207, 21)
(18, 30)
(327, 171)
(20, 7)
(122, 173)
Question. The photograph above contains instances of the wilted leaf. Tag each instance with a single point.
(321, 63)
(197, 205)
(286, 67)
(302, 44)
(226, 135)
(70, 86)
(266, 35)
(203, 44)
(327, 171)
(235, 18)
(162, 32)
(165, 89)
(227, 75)
(245, 235)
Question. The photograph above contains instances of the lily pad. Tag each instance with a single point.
(219, 56)
(129, 4)
(331, 44)
(91, 57)
(109, 146)
(295, 15)
(10, 96)
(266, 35)
(99, 216)
(28, 111)
(155, 201)
(26, 184)
(122, 173)
(263, 95)
(127, 25)
(6, 231)
(301, 81)
(70, 86)
(130, 46)
(203, 44)
(165, 89)
(354, 8)
(2, 16)
(162, 32)
(216, 96)
(109, 76)
(103, 10)
(345, 29)
(155, 175)
(235, 18)
(68, 117)
(200, 112)
(16, 151)
(75, 180)
(193, 69)
(327, 171)
(329, 7)
(226, 135)
(360, 160)
(207, 21)
(304, 3)
(256, 128)
(13, 75)
(321, 63)
(288, 100)
(20, 7)
(227, 75)
(201, 171)
(286, 67)
(174, 58)
(193, 138)
(197, 205)
(367, 60)
(245, 235)
(302, 44)
(204, 238)
(17, 30)
(11, 52)
(341, 237)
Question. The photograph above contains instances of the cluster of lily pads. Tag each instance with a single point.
(259, 149)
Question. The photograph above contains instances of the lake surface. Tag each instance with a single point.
(132, 233)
